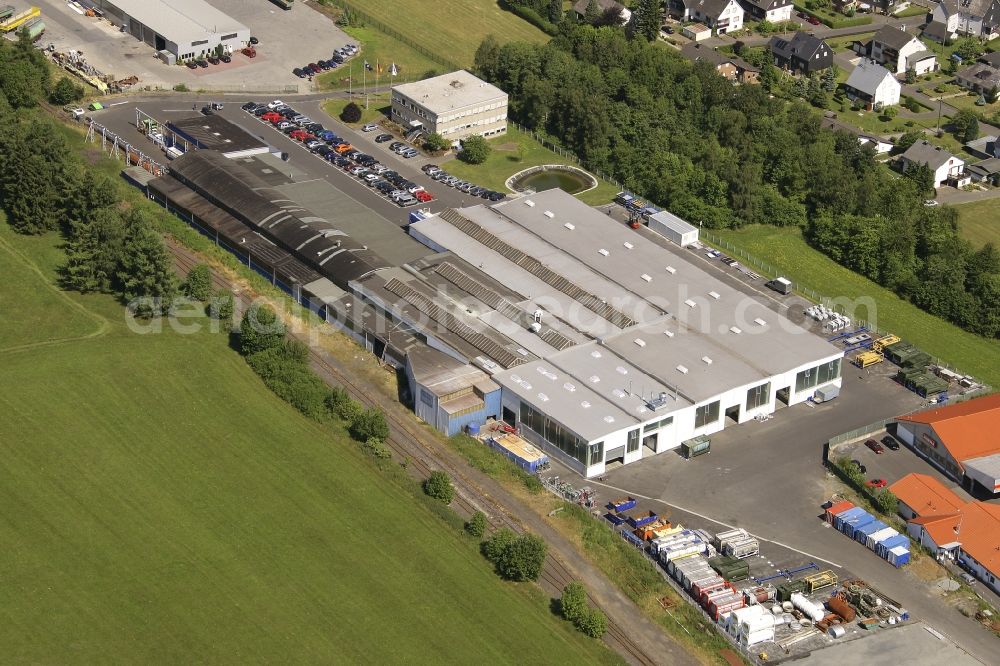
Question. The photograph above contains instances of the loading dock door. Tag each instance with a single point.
(649, 442)
(161, 43)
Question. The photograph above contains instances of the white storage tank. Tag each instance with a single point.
(813, 611)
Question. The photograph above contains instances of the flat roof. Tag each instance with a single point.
(180, 21)
(987, 465)
(216, 133)
(673, 222)
(457, 90)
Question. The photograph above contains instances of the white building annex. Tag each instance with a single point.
(652, 350)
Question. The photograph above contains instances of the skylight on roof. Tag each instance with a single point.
(595, 353)
(690, 303)
(683, 370)
(759, 321)
(640, 342)
(735, 329)
(706, 360)
(594, 379)
(549, 214)
(628, 245)
(714, 294)
(618, 393)
(570, 226)
(622, 370)
(569, 387)
(529, 203)
(646, 277)
(603, 252)
(543, 397)
(669, 334)
(671, 270)
(609, 419)
(585, 404)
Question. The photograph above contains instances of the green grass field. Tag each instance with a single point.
(516, 151)
(979, 221)
(453, 27)
(784, 247)
(377, 111)
(161, 506)
(380, 50)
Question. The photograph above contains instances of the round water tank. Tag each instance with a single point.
(473, 429)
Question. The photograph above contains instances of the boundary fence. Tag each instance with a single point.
(565, 154)
(382, 27)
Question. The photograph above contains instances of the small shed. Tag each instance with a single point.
(673, 228)
(696, 32)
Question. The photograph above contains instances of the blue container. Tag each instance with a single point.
(614, 518)
(861, 533)
(882, 548)
(841, 519)
(859, 521)
(473, 429)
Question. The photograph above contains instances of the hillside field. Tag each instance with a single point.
(161, 506)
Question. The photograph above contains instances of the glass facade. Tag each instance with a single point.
(758, 396)
(821, 374)
(706, 414)
(560, 437)
(656, 425)
(633, 441)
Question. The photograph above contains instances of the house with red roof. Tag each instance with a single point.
(962, 440)
(940, 520)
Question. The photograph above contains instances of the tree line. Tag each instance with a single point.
(724, 156)
(45, 187)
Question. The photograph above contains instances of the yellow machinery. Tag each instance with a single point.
(17, 20)
(819, 581)
(865, 359)
(883, 342)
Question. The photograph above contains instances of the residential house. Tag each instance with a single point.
(774, 11)
(580, 9)
(950, 527)
(980, 77)
(987, 171)
(979, 18)
(802, 54)
(697, 32)
(960, 439)
(732, 68)
(873, 85)
(939, 32)
(721, 16)
(984, 147)
(899, 51)
(880, 145)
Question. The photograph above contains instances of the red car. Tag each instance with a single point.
(876, 483)
(813, 20)
(874, 446)
(423, 196)
(297, 134)
(272, 117)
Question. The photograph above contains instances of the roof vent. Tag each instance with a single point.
(628, 245)
(622, 370)
(603, 252)
(647, 278)
(735, 329)
(595, 353)
(706, 360)
(594, 379)
(714, 295)
(609, 419)
(640, 342)
(759, 321)
(543, 397)
(570, 226)
(569, 387)
(516, 379)
(618, 393)
(669, 334)
(671, 270)
(682, 369)
(549, 214)
(529, 203)
(690, 303)
(585, 404)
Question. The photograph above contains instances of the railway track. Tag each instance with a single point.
(423, 458)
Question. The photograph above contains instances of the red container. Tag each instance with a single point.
(724, 604)
(701, 587)
(837, 508)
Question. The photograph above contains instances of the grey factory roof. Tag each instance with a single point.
(892, 37)
(443, 375)
(216, 133)
(922, 152)
(868, 76)
(180, 21)
(691, 334)
(671, 221)
(314, 240)
(448, 92)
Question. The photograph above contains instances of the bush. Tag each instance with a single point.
(369, 424)
(593, 623)
(221, 307)
(523, 558)
(531, 16)
(887, 502)
(435, 142)
(65, 91)
(180, 87)
(260, 330)
(336, 401)
(477, 524)
(291, 380)
(376, 448)
(198, 283)
(438, 485)
(494, 547)
(573, 603)
(475, 150)
(351, 113)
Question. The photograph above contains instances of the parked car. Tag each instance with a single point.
(370, 127)
(860, 466)
(225, 57)
(254, 41)
(813, 20)
(312, 144)
(202, 63)
(275, 103)
(382, 138)
(217, 106)
(409, 153)
(430, 168)
(876, 483)
(890, 443)
(299, 73)
(874, 446)
(191, 64)
(214, 60)
(423, 196)
(207, 110)
(249, 106)
(396, 145)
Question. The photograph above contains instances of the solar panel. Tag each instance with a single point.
(536, 268)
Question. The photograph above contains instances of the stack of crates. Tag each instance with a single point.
(730, 568)
(736, 543)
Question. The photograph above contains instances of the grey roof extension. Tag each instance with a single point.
(923, 152)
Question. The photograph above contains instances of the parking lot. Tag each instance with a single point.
(288, 39)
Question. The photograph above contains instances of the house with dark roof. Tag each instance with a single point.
(980, 77)
(951, 527)
(960, 439)
(732, 68)
(774, 11)
(721, 16)
(978, 18)
(802, 54)
(604, 6)
(873, 85)
(899, 51)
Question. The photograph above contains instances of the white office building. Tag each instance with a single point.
(454, 105)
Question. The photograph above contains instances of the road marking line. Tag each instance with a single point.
(717, 522)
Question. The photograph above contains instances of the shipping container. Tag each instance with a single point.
(861, 534)
(836, 509)
(710, 596)
(614, 518)
(724, 605)
(786, 590)
(700, 587)
(690, 550)
(621, 504)
(648, 532)
(856, 522)
(898, 556)
(742, 548)
(873, 539)
(673, 229)
(640, 518)
(844, 516)
(702, 574)
(757, 637)
(884, 546)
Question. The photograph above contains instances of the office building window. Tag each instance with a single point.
(821, 374)
(229, 36)
(656, 425)
(758, 396)
(706, 414)
(559, 436)
(633, 441)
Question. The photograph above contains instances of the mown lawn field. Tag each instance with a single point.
(453, 28)
(516, 151)
(161, 506)
(379, 50)
(979, 221)
(784, 247)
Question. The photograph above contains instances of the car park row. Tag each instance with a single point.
(332, 148)
(337, 58)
